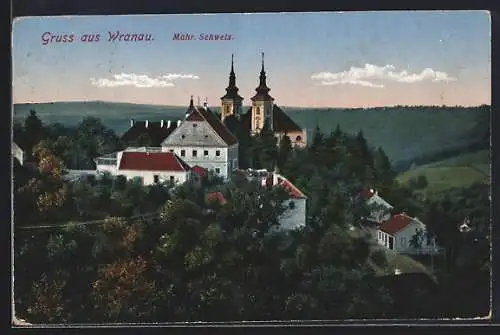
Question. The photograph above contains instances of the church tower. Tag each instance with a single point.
(232, 101)
(262, 104)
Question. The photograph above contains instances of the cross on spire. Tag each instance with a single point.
(262, 61)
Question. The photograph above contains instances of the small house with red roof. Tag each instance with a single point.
(295, 214)
(203, 140)
(152, 167)
(380, 210)
(398, 232)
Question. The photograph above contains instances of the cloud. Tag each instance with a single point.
(364, 76)
(140, 80)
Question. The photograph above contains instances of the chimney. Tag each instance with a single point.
(275, 179)
(147, 123)
(168, 123)
(132, 123)
(178, 123)
(161, 123)
(205, 104)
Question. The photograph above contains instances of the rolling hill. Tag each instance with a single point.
(403, 132)
(460, 171)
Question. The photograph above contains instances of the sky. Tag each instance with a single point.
(327, 59)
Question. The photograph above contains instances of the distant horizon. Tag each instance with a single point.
(245, 106)
(323, 59)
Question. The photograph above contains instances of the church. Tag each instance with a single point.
(263, 110)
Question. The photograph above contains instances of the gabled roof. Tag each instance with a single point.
(205, 114)
(199, 171)
(155, 131)
(152, 161)
(396, 224)
(287, 185)
(281, 121)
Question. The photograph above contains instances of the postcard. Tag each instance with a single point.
(251, 167)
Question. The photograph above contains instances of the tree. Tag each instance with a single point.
(33, 130)
(284, 152)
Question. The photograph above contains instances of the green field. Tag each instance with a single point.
(403, 132)
(461, 171)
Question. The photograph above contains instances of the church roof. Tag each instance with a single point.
(155, 131)
(281, 121)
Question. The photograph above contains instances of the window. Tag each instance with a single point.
(195, 153)
(298, 138)
(183, 153)
(291, 204)
(172, 179)
(257, 112)
(217, 170)
(183, 136)
(217, 153)
(205, 153)
(156, 179)
(227, 109)
(195, 125)
(391, 243)
(171, 150)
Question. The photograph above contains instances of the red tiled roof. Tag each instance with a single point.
(201, 114)
(292, 190)
(216, 196)
(395, 224)
(152, 161)
(367, 194)
(199, 171)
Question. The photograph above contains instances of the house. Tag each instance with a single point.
(398, 232)
(203, 140)
(152, 167)
(263, 110)
(295, 207)
(149, 133)
(380, 210)
(18, 153)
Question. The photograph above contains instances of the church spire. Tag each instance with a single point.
(232, 89)
(262, 90)
(262, 71)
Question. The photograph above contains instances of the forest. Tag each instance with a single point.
(200, 260)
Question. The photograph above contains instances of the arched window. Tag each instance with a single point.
(228, 108)
(298, 138)
(257, 111)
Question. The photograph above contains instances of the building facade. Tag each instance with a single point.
(398, 232)
(265, 111)
(380, 210)
(203, 140)
(231, 102)
(152, 167)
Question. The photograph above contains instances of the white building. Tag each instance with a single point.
(203, 140)
(295, 212)
(151, 166)
(397, 232)
(380, 210)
